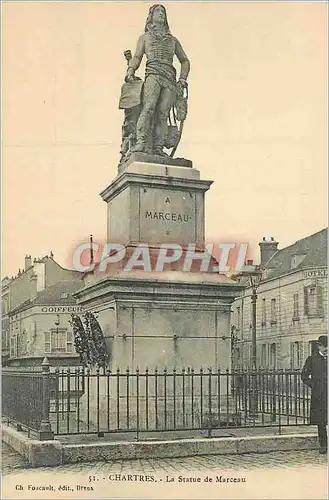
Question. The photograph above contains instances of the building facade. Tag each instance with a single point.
(5, 287)
(291, 305)
(38, 304)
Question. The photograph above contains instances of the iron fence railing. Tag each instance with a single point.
(22, 398)
(79, 401)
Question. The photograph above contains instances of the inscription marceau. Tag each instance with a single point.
(176, 217)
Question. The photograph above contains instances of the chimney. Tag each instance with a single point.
(267, 249)
(28, 262)
(33, 286)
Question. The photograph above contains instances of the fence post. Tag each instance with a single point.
(45, 431)
(274, 393)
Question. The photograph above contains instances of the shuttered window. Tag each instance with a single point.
(273, 311)
(295, 354)
(13, 347)
(319, 301)
(312, 347)
(47, 343)
(57, 341)
(295, 316)
(263, 356)
(313, 300)
(272, 356)
(263, 312)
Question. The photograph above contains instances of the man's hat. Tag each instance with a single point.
(323, 340)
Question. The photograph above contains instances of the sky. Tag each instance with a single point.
(257, 121)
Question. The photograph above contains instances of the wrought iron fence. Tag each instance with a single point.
(82, 401)
(22, 398)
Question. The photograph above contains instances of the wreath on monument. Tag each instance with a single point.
(89, 340)
(98, 345)
(80, 338)
(234, 339)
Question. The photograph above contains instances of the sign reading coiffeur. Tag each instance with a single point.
(61, 309)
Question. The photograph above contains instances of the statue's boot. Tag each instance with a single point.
(158, 150)
(139, 147)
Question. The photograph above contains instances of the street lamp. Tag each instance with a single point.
(57, 323)
(255, 277)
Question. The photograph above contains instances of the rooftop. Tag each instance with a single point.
(312, 251)
(59, 294)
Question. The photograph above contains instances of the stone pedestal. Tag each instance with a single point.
(156, 203)
(171, 319)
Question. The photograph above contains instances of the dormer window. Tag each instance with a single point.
(296, 260)
(266, 272)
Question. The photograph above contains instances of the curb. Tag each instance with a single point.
(37, 453)
(52, 453)
(187, 447)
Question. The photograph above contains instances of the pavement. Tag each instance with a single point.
(190, 434)
(301, 475)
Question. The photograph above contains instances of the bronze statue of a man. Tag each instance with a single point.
(160, 88)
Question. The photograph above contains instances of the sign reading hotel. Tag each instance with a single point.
(316, 273)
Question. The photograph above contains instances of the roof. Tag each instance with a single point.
(61, 292)
(5, 281)
(58, 294)
(24, 305)
(73, 272)
(312, 251)
(313, 247)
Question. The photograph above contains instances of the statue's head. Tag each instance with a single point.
(157, 15)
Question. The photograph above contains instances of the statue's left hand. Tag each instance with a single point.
(130, 75)
(182, 83)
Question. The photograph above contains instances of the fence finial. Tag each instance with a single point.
(45, 362)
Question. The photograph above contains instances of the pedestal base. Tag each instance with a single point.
(158, 401)
(154, 159)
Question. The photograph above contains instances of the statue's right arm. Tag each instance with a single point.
(135, 61)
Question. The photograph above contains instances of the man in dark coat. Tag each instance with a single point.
(314, 374)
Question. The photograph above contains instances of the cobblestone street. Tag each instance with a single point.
(11, 461)
(281, 469)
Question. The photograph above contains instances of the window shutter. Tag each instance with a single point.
(69, 344)
(47, 343)
(273, 356)
(12, 347)
(298, 354)
(295, 306)
(319, 300)
(306, 300)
